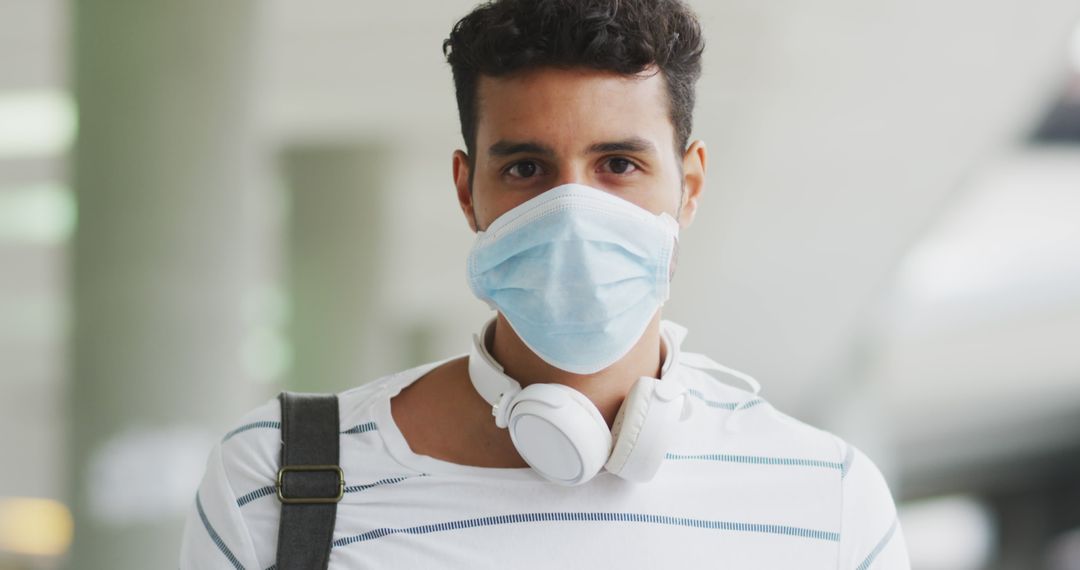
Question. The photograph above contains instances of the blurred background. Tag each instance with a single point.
(203, 203)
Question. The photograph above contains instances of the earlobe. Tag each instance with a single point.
(464, 192)
(694, 163)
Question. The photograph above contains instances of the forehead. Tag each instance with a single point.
(572, 107)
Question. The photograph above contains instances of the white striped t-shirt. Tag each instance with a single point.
(764, 492)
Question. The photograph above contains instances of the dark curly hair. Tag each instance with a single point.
(624, 36)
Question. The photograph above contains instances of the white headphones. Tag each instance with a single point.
(562, 435)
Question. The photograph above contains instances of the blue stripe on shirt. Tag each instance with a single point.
(271, 489)
(849, 456)
(722, 405)
(593, 516)
(252, 425)
(757, 460)
(387, 481)
(214, 535)
(880, 546)
(366, 427)
(256, 494)
(271, 424)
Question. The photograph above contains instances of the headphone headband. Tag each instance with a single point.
(496, 388)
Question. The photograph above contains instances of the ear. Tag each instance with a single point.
(694, 161)
(464, 193)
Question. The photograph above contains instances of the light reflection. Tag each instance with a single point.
(948, 533)
(34, 527)
(40, 214)
(36, 123)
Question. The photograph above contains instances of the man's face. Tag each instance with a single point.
(547, 127)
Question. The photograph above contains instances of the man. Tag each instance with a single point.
(609, 446)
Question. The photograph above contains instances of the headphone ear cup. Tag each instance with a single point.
(559, 432)
(628, 423)
(651, 416)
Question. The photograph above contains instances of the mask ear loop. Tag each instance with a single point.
(701, 361)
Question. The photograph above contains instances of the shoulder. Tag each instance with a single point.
(233, 518)
(865, 493)
(252, 447)
(870, 526)
(845, 485)
(749, 423)
(858, 494)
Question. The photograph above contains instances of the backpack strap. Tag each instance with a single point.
(310, 481)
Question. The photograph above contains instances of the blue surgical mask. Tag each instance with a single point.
(578, 273)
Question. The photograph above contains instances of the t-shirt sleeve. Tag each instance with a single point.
(215, 534)
(870, 534)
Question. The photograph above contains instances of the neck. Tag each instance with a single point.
(607, 388)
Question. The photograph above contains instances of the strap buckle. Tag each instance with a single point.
(279, 486)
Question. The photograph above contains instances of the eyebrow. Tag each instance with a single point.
(632, 144)
(506, 148)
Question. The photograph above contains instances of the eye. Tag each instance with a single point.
(523, 169)
(619, 165)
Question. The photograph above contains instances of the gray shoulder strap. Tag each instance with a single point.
(310, 481)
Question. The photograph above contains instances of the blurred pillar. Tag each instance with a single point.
(162, 262)
(335, 216)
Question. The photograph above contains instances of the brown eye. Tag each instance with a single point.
(620, 165)
(524, 169)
